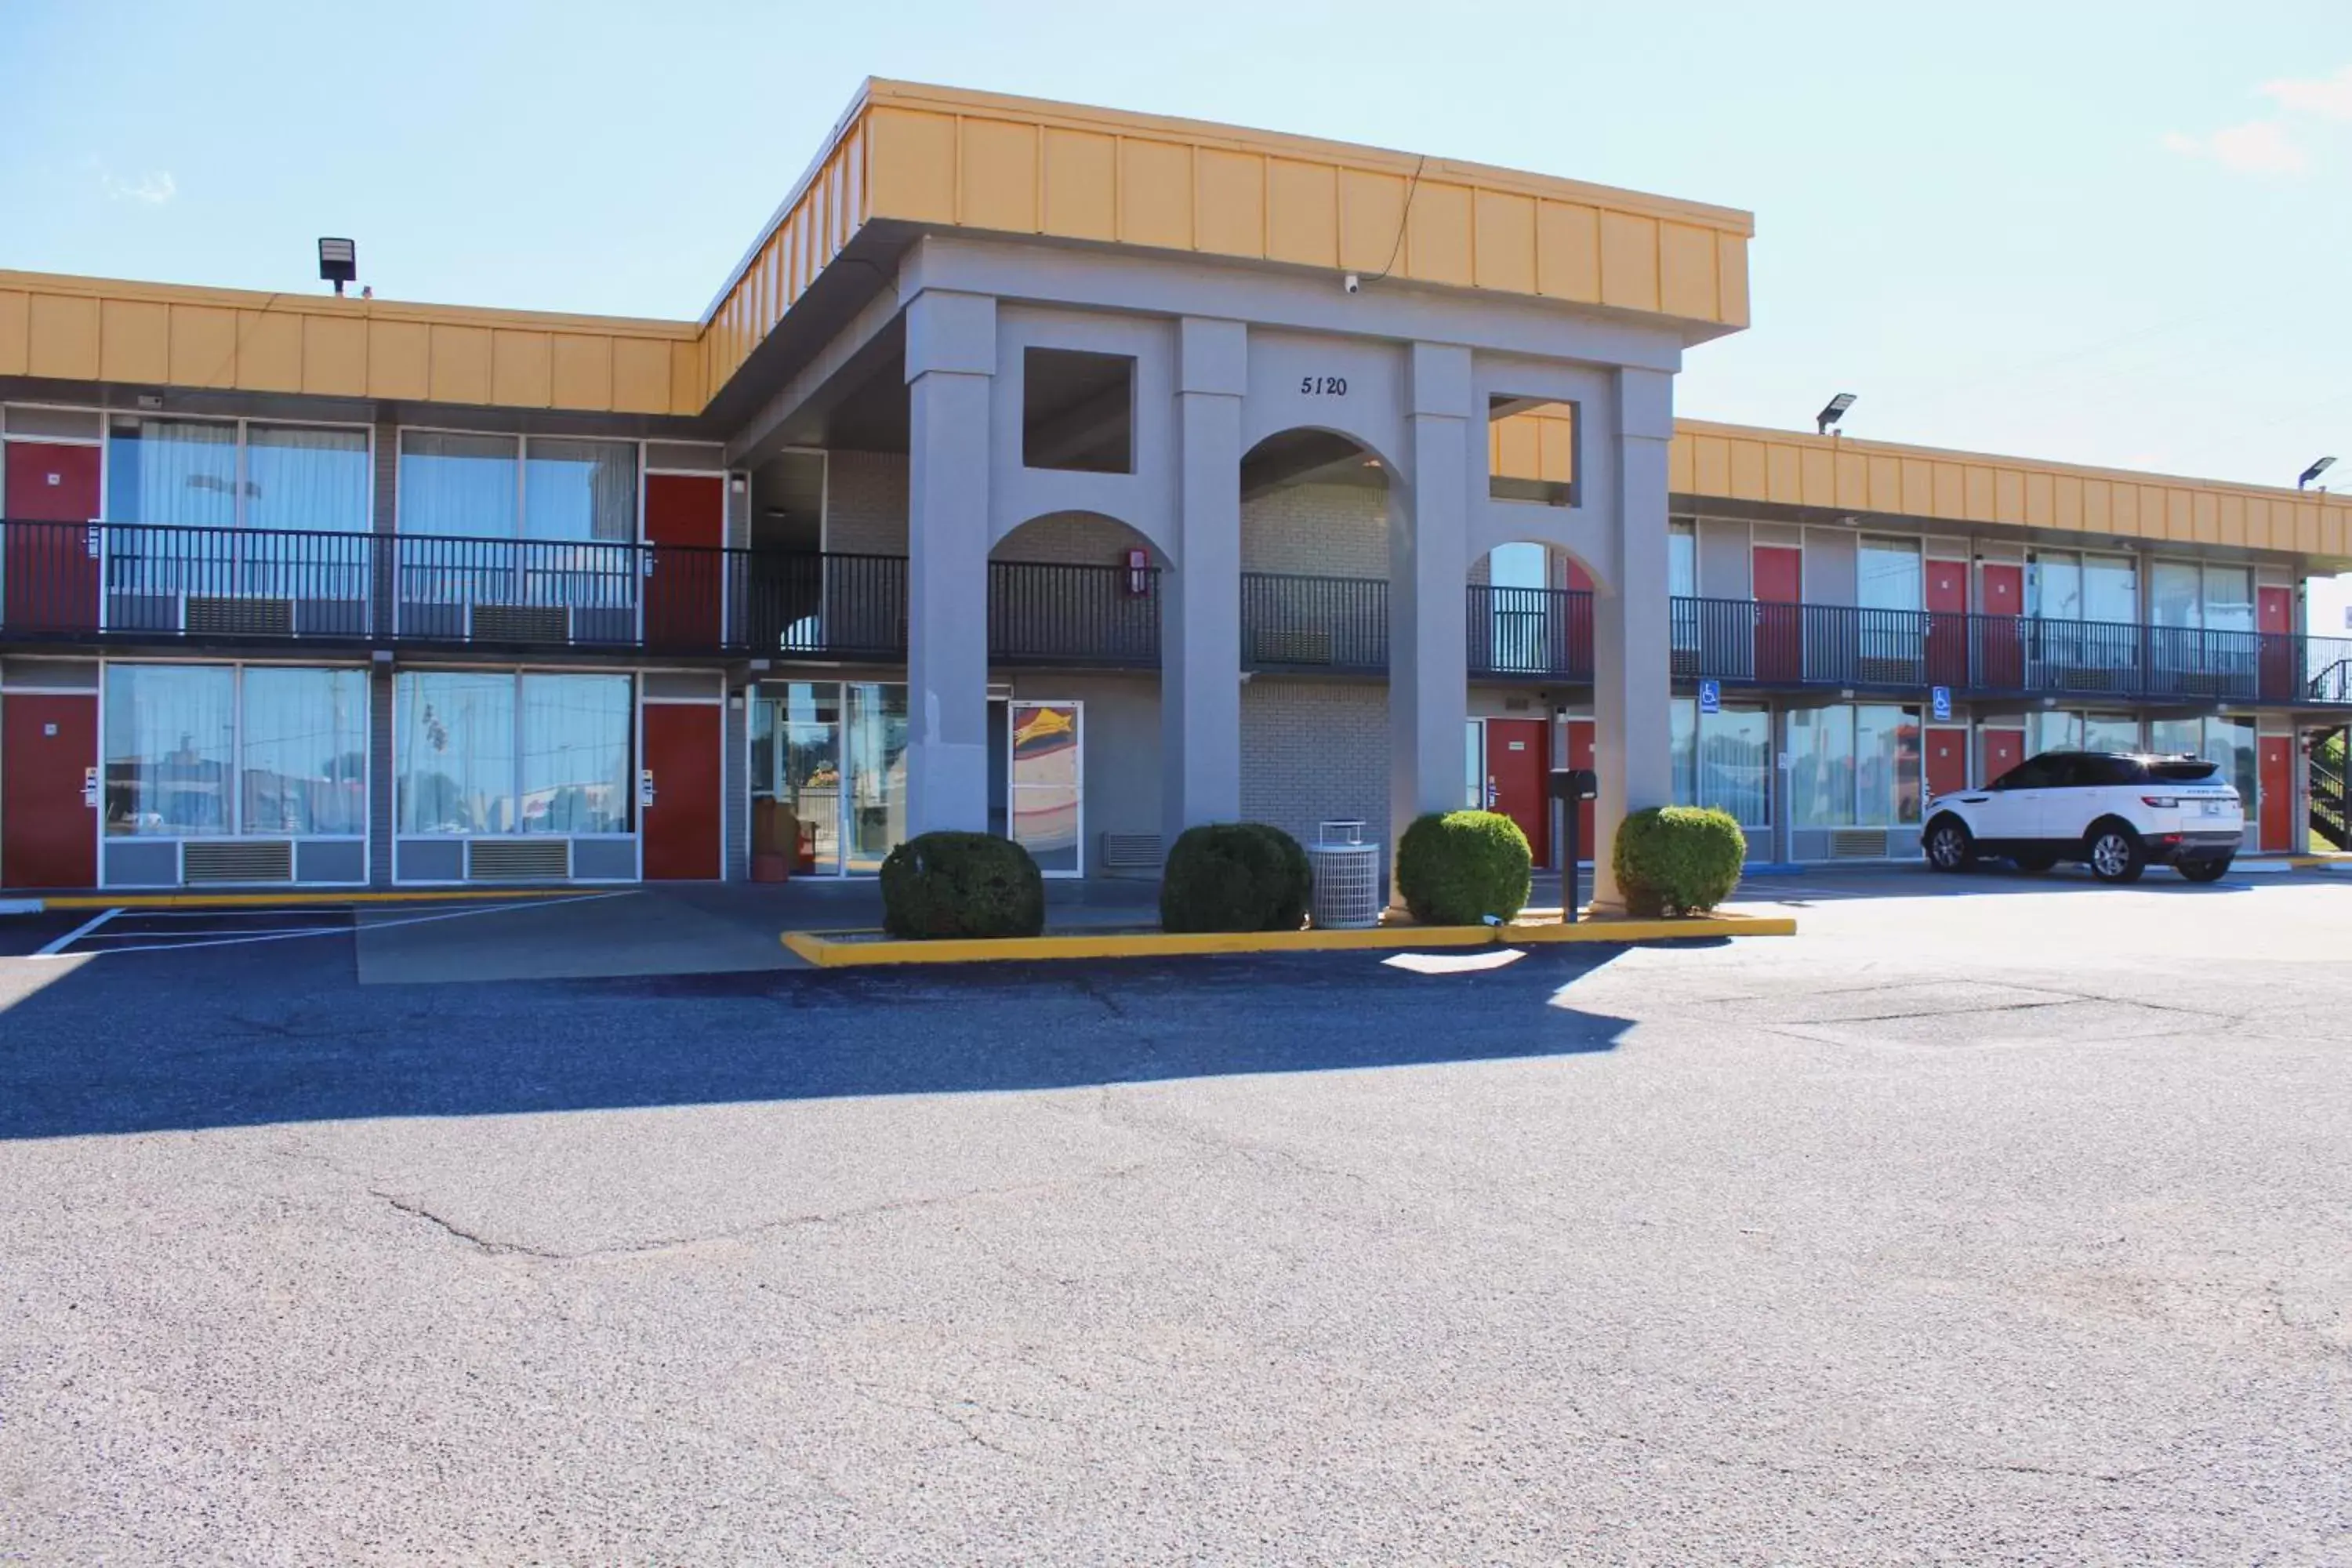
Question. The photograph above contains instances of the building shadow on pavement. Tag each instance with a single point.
(252, 1037)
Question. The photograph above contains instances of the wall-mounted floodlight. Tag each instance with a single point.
(2313, 471)
(1834, 411)
(339, 262)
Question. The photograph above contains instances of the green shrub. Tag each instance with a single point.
(1455, 868)
(1234, 876)
(961, 884)
(1678, 859)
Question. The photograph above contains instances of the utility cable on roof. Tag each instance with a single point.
(1403, 217)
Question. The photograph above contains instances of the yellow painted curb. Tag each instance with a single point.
(2317, 861)
(296, 897)
(850, 950)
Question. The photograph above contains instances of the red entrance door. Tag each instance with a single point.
(2276, 781)
(48, 827)
(1779, 576)
(1518, 776)
(1947, 624)
(1947, 762)
(51, 566)
(686, 523)
(681, 826)
(2000, 652)
(2274, 618)
(1580, 755)
(2003, 749)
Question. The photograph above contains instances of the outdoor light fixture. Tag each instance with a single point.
(2313, 471)
(339, 262)
(1834, 411)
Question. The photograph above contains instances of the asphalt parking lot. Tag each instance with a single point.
(1998, 1219)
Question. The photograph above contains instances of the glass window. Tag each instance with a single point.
(454, 752)
(808, 745)
(874, 742)
(2176, 588)
(580, 490)
(1474, 773)
(180, 472)
(171, 730)
(2035, 772)
(575, 753)
(1734, 764)
(307, 480)
(2054, 731)
(2110, 589)
(2228, 599)
(1891, 575)
(454, 485)
(1886, 764)
(304, 764)
(2230, 742)
(2176, 737)
(1821, 767)
(2110, 732)
(2053, 585)
(1682, 560)
(1682, 748)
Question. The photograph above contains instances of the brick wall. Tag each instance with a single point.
(1323, 531)
(1076, 538)
(866, 503)
(1314, 750)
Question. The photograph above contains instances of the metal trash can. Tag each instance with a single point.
(1348, 893)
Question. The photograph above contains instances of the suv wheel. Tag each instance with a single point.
(1950, 844)
(2115, 853)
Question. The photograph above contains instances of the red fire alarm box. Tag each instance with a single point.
(1138, 572)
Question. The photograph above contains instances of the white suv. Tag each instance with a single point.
(2112, 810)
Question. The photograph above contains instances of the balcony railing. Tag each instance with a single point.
(149, 586)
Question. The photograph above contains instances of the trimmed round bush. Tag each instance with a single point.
(962, 885)
(1234, 876)
(1457, 868)
(1678, 859)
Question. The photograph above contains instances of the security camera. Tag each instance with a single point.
(1352, 284)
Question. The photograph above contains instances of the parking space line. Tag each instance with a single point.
(146, 943)
(75, 935)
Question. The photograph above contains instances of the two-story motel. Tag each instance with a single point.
(1075, 475)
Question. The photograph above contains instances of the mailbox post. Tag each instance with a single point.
(1574, 786)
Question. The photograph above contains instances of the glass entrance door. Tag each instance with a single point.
(1046, 783)
(833, 757)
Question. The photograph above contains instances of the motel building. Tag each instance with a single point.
(1078, 475)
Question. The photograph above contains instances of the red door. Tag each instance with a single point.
(1947, 762)
(2003, 749)
(2274, 618)
(686, 523)
(1580, 755)
(1518, 779)
(2276, 781)
(51, 565)
(1947, 624)
(1779, 577)
(681, 826)
(48, 827)
(2001, 649)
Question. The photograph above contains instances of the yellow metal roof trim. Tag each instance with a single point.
(1794, 467)
(158, 334)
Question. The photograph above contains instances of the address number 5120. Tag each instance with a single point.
(1323, 387)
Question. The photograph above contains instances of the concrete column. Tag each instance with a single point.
(951, 366)
(1631, 663)
(1200, 613)
(1429, 696)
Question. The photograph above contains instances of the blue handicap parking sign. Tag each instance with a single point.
(1939, 701)
(1710, 697)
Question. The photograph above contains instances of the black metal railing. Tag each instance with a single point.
(1292, 622)
(150, 584)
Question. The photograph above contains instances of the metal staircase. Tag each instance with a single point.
(2330, 818)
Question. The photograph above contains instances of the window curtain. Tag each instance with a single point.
(575, 753)
(173, 474)
(301, 483)
(305, 742)
(578, 495)
(454, 746)
(456, 487)
(169, 734)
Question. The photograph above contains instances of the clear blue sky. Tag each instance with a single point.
(2110, 232)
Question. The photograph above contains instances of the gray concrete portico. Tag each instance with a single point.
(1224, 358)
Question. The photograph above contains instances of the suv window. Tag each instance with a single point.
(2035, 773)
(2091, 772)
